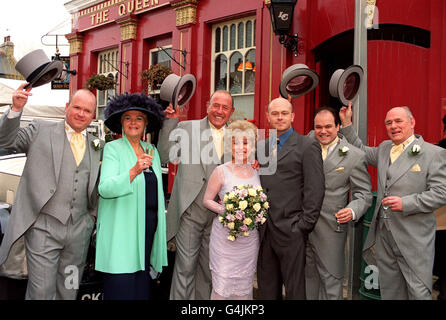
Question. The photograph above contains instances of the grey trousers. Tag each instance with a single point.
(56, 256)
(319, 283)
(397, 280)
(191, 279)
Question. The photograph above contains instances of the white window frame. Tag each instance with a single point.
(228, 53)
(149, 89)
(106, 69)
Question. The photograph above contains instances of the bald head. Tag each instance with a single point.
(280, 115)
(80, 111)
(280, 102)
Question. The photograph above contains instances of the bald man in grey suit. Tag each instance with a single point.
(347, 194)
(411, 185)
(55, 206)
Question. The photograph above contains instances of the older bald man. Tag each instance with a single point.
(411, 185)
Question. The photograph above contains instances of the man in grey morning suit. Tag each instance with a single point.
(198, 145)
(295, 193)
(411, 185)
(346, 176)
(56, 199)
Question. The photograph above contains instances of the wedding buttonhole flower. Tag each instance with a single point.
(415, 149)
(343, 151)
(96, 144)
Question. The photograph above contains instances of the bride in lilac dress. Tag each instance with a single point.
(233, 263)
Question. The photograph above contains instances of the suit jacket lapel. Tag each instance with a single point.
(57, 144)
(404, 162)
(95, 157)
(384, 165)
(290, 144)
(205, 160)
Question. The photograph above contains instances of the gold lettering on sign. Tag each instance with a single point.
(130, 6)
(100, 14)
(121, 9)
(100, 17)
(138, 5)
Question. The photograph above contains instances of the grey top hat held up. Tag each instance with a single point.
(298, 80)
(345, 84)
(178, 90)
(38, 69)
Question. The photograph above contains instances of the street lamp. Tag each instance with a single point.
(281, 19)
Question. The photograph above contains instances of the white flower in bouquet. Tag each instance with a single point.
(257, 207)
(231, 237)
(221, 219)
(243, 204)
(231, 225)
(252, 192)
(229, 206)
(266, 205)
(247, 221)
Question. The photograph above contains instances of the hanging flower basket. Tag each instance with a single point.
(155, 75)
(100, 82)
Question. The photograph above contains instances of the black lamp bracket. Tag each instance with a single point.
(290, 42)
(126, 64)
(183, 53)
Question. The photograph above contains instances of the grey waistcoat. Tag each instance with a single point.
(71, 195)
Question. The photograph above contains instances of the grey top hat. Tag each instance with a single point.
(344, 84)
(38, 69)
(178, 90)
(298, 80)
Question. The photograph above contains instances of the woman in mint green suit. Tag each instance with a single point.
(131, 230)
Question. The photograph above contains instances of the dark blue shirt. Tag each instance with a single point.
(283, 138)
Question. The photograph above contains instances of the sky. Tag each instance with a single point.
(26, 21)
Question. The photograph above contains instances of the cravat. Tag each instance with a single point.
(396, 151)
(77, 144)
(326, 147)
(219, 143)
(324, 151)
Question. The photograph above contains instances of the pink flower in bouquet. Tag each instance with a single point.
(240, 215)
(263, 196)
(230, 217)
(259, 217)
(243, 194)
(244, 228)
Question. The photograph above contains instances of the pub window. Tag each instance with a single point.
(163, 57)
(234, 63)
(107, 66)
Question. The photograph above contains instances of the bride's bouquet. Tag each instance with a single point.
(246, 207)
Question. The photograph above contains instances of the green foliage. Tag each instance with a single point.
(100, 82)
(155, 75)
